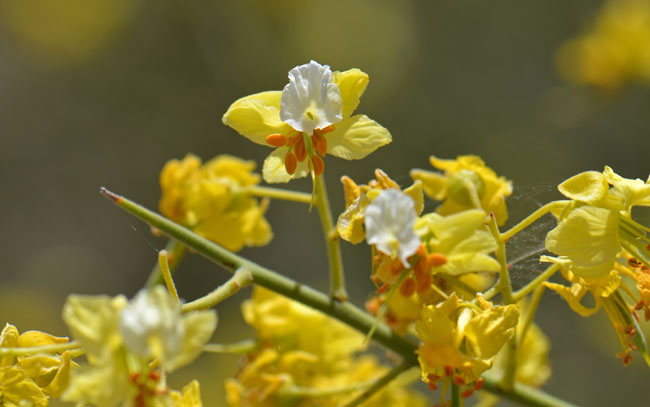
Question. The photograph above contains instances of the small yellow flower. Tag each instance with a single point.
(189, 397)
(211, 199)
(466, 183)
(482, 332)
(120, 338)
(614, 51)
(358, 197)
(310, 118)
(41, 375)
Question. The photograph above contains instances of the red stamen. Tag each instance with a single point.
(449, 370)
(290, 163)
(319, 165)
(437, 259)
(407, 288)
(382, 289)
(300, 150)
(459, 380)
(467, 393)
(479, 383)
(277, 140)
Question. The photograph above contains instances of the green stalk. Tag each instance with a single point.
(344, 312)
(242, 278)
(337, 280)
(532, 218)
(175, 253)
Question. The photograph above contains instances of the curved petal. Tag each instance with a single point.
(356, 137)
(588, 186)
(256, 116)
(352, 83)
(273, 169)
(572, 300)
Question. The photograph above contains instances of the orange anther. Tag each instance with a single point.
(319, 165)
(382, 289)
(479, 383)
(290, 163)
(277, 140)
(407, 288)
(320, 144)
(134, 377)
(467, 393)
(300, 150)
(421, 251)
(647, 314)
(424, 283)
(155, 376)
(459, 380)
(433, 377)
(433, 386)
(396, 266)
(449, 370)
(294, 139)
(639, 305)
(634, 263)
(437, 259)
(630, 330)
(324, 130)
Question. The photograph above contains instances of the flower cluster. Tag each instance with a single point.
(614, 50)
(598, 243)
(305, 359)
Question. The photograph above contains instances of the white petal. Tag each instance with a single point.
(311, 100)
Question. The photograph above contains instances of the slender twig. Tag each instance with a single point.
(455, 396)
(276, 193)
(528, 288)
(532, 218)
(175, 253)
(167, 275)
(344, 312)
(242, 347)
(242, 278)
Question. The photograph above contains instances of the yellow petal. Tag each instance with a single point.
(93, 321)
(435, 185)
(274, 171)
(257, 116)
(8, 339)
(38, 338)
(633, 192)
(588, 186)
(415, 192)
(352, 83)
(62, 378)
(190, 396)
(573, 300)
(489, 331)
(589, 238)
(19, 390)
(350, 224)
(356, 137)
(199, 327)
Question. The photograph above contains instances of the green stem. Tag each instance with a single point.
(35, 350)
(163, 263)
(530, 313)
(175, 253)
(532, 218)
(276, 193)
(504, 275)
(344, 312)
(528, 288)
(242, 278)
(526, 395)
(242, 347)
(337, 280)
(455, 396)
(379, 384)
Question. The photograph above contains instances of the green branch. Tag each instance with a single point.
(344, 312)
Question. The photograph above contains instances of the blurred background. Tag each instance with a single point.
(103, 93)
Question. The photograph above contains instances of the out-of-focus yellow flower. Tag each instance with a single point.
(358, 197)
(290, 325)
(465, 179)
(482, 331)
(189, 397)
(307, 359)
(212, 200)
(120, 338)
(614, 50)
(38, 376)
(310, 118)
(64, 33)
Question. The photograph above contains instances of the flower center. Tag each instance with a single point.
(300, 146)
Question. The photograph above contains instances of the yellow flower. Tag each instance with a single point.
(358, 197)
(307, 359)
(212, 200)
(291, 325)
(465, 180)
(605, 291)
(615, 50)
(40, 376)
(458, 242)
(442, 328)
(120, 338)
(310, 118)
(189, 397)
